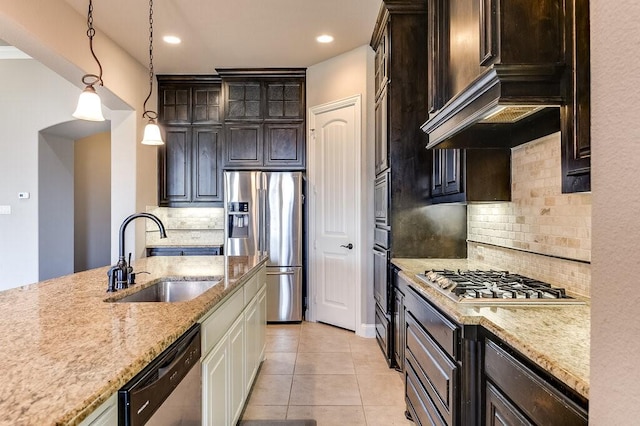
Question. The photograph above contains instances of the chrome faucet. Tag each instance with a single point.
(121, 274)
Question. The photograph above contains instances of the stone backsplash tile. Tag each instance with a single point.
(571, 275)
(539, 219)
(190, 226)
(187, 218)
(186, 237)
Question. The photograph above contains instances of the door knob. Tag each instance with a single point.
(348, 246)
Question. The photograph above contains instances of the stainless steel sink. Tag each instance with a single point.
(170, 291)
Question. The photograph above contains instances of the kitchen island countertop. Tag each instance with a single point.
(64, 350)
(556, 338)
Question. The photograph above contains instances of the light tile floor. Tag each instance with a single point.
(317, 371)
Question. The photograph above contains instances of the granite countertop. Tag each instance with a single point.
(554, 337)
(64, 350)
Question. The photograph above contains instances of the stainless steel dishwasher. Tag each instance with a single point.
(169, 390)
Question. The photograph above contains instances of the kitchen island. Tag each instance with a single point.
(556, 338)
(66, 347)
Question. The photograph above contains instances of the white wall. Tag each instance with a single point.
(32, 98)
(615, 306)
(341, 77)
(92, 201)
(55, 206)
(55, 34)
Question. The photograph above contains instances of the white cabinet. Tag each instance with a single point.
(233, 344)
(256, 320)
(105, 415)
(251, 319)
(237, 362)
(215, 382)
(262, 325)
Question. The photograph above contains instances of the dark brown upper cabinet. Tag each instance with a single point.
(284, 145)
(189, 163)
(243, 100)
(189, 100)
(285, 100)
(382, 134)
(506, 72)
(468, 175)
(402, 163)
(264, 118)
(243, 145)
(576, 112)
(381, 61)
(189, 167)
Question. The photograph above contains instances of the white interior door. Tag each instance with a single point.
(335, 212)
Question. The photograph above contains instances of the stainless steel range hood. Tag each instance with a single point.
(505, 106)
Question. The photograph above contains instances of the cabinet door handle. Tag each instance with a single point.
(348, 246)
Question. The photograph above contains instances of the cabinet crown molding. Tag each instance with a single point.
(261, 72)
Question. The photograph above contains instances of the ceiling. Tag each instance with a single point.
(233, 33)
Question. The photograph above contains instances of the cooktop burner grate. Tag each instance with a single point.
(497, 287)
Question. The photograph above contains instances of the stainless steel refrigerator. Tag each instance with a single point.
(264, 214)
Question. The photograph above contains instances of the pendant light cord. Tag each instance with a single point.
(90, 33)
(152, 115)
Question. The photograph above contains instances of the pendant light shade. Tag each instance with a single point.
(152, 134)
(89, 104)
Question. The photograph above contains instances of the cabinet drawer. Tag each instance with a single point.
(250, 289)
(418, 401)
(434, 368)
(382, 237)
(536, 398)
(381, 278)
(382, 331)
(499, 411)
(381, 199)
(440, 328)
(218, 323)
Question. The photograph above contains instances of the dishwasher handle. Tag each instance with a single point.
(142, 396)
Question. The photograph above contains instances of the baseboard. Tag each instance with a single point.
(366, 330)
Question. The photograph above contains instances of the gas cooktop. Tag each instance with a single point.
(495, 287)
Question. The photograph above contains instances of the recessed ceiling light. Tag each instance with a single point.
(325, 38)
(171, 39)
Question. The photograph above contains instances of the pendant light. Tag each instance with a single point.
(152, 134)
(89, 104)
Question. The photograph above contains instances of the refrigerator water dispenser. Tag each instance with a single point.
(238, 217)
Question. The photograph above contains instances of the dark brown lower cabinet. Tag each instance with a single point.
(185, 251)
(500, 411)
(432, 362)
(517, 394)
(459, 374)
(382, 332)
(434, 371)
(399, 324)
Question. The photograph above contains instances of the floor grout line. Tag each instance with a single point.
(310, 332)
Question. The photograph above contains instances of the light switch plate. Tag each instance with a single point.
(23, 195)
(5, 209)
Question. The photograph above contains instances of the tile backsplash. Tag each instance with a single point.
(539, 220)
(190, 226)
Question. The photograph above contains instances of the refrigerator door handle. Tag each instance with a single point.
(262, 241)
(281, 273)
